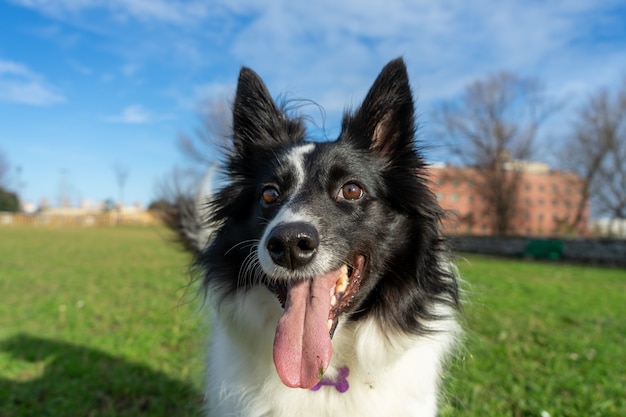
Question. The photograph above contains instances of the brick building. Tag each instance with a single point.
(546, 204)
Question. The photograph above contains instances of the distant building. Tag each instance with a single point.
(28, 207)
(546, 204)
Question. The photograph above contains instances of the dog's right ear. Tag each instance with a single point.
(257, 121)
(385, 121)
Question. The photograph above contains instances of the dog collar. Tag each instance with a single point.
(340, 382)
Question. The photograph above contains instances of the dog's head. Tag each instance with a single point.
(337, 230)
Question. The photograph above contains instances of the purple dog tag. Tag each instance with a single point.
(340, 382)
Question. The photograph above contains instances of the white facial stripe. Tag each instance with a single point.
(296, 159)
(287, 215)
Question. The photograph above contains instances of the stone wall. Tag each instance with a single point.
(594, 251)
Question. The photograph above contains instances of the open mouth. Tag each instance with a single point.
(302, 345)
(341, 293)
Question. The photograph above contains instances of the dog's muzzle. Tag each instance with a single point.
(293, 245)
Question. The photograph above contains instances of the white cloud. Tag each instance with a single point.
(330, 51)
(178, 12)
(130, 69)
(133, 114)
(328, 45)
(167, 11)
(19, 84)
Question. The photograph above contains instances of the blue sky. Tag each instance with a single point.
(86, 85)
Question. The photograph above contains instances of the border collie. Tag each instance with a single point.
(325, 265)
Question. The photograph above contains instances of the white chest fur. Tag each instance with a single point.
(389, 375)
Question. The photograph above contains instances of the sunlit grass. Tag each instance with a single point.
(96, 322)
(541, 337)
(100, 322)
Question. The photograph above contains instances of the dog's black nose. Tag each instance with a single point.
(293, 245)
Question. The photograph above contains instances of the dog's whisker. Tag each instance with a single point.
(250, 272)
(250, 242)
(359, 297)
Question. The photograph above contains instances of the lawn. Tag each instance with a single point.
(97, 322)
(101, 322)
(542, 339)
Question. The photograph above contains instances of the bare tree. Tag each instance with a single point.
(494, 122)
(9, 201)
(183, 193)
(213, 132)
(596, 151)
(121, 175)
(4, 170)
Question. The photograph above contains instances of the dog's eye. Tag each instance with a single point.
(270, 195)
(351, 191)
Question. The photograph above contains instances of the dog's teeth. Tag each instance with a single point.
(333, 300)
(342, 282)
(330, 324)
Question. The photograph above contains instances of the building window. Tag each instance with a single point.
(454, 197)
(439, 196)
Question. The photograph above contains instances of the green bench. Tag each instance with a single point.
(543, 249)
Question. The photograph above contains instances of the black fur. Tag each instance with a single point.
(396, 224)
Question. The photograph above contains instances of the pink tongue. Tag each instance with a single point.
(302, 346)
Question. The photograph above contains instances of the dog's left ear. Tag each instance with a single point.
(258, 123)
(385, 121)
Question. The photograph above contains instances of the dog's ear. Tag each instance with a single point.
(385, 121)
(257, 120)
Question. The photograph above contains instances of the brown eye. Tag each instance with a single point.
(270, 195)
(351, 191)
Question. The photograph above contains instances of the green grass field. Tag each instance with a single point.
(97, 322)
(100, 322)
(540, 337)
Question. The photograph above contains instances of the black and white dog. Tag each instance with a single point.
(325, 265)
